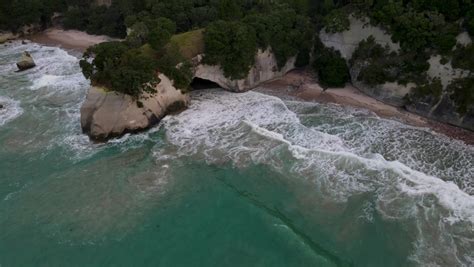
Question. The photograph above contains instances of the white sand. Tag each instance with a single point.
(69, 39)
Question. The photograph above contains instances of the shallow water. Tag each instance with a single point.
(236, 180)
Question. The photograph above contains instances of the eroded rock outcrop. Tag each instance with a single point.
(265, 69)
(105, 115)
(438, 107)
(347, 42)
(26, 62)
(7, 36)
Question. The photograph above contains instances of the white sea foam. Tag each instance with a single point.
(11, 110)
(343, 153)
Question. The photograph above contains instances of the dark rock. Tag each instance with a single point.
(26, 62)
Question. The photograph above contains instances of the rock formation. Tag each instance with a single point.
(438, 108)
(346, 42)
(106, 115)
(265, 69)
(7, 36)
(26, 62)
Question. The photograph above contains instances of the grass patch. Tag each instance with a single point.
(190, 43)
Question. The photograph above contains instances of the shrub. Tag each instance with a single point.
(121, 69)
(232, 45)
(462, 93)
(336, 21)
(463, 57)
(331, 68)
(160, 34)
(433, 88)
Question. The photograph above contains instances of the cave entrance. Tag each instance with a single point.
(200, 84)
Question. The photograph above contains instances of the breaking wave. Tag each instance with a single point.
(343, 152)
(10, 110)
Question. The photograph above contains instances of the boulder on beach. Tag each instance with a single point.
(26, 62)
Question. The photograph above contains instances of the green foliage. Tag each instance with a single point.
(331, 68)
(286, 32)
(232, 45)
(430, 89)
(176, 67)
(469, 21)
(421, 24)
(379, 65)
(190, 43)
(336, 21)
(161, 33)
(121, 69)
(462, 93)
(463, 58)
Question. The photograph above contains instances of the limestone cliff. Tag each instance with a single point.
(346, 42)
(442, 108)
(265, 68)
(106, 115)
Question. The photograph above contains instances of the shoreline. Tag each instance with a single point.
(74, 40)
(300, 85)
(297, 84)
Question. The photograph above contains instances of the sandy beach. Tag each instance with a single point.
(301, 85)
(68, 39)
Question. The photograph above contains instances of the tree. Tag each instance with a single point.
(119, 68)
(232, 45)
(161, 33)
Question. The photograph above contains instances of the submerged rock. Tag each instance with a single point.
(26, 62)
(106, 115)
(1, 106)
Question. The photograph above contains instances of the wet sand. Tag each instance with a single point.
(301, 85)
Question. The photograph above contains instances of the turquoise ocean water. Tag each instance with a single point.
(236, 180)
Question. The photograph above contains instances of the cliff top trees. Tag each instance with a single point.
(232, 45)
(119, 68)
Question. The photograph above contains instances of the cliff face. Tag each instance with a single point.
(106, 115)
(442, 109)
(265, 68)
(347, 42)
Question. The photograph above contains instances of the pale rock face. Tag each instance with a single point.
(26, 62)
(265, 69)
(7, 36)
(444, 72)
(464, 39)
(390, 92)
(347, 42)
(106, 115)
